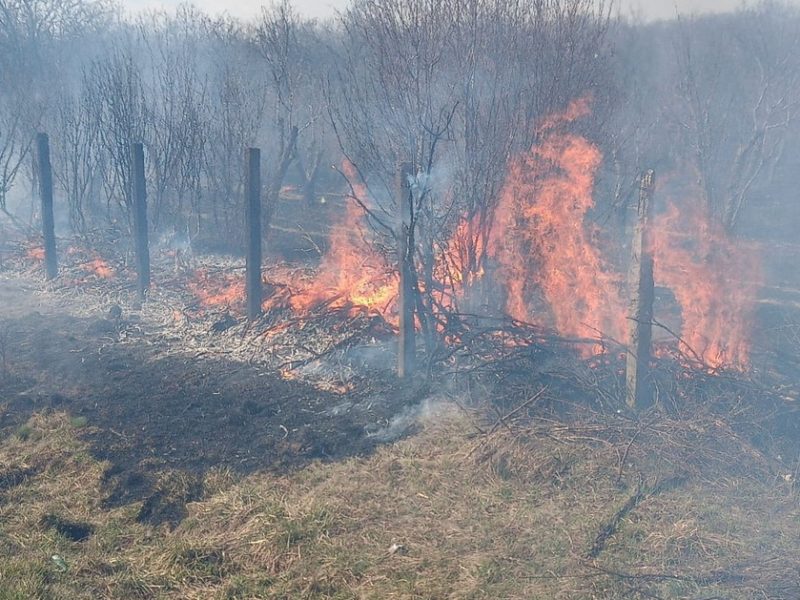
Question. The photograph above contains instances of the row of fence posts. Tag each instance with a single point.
(140, 227)
(253, 283)
(638, 386)
(139, 199)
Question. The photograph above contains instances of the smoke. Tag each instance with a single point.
(407, 420)
(670, 9)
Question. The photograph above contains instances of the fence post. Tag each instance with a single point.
(406, 350)
(642, 291)
(139, 198)
(46, 195)
(253, 224)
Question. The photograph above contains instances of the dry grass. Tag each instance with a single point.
(447, 514)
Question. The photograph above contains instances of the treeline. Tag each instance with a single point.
(454, 86)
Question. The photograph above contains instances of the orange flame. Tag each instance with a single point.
(351, 273)
(99, 268)
(35, 253)
(214, 290)
(699, 262)
(462, 257)
(541, 239)
(547, 255)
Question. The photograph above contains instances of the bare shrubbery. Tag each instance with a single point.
(455, 87)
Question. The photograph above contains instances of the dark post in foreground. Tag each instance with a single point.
(46, 194)
(640, 318)
(253, 224)
(406, 350)
(139, 198)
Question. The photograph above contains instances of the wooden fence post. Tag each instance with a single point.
(139, 198)
(253, 224)
(406, 350)
(642, 291)
(46, 195)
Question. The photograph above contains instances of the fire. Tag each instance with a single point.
(351, 273)
(217, 289)
(35, 253)
(463, 256)
(99, 268)
(699, 262)
(542, 241)
(545, 252)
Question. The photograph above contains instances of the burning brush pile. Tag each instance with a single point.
(548, 284)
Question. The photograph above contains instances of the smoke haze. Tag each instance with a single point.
(646, 9)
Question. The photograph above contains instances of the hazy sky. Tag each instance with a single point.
(324, 8)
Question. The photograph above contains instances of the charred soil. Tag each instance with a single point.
(147, 413)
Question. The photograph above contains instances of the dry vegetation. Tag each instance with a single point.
(597, 508)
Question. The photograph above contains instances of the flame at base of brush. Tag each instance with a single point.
(350, 274)
(543, 243)
(547, 257)
(715, 280)
(215, 289)
(99, 268)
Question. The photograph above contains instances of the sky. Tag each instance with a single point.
(650, 9)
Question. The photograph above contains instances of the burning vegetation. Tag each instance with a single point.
(551, 265)
(544, 241)
(715, 280)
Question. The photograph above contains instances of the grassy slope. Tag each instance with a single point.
(522, 513)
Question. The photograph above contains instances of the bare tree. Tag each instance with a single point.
(236, 104)
(391, 102)
(117, 90)
(15, 143)
(739, 90)
(39, 45)
(503, 87)
(76, 157)
(296, 118)
(175, 109)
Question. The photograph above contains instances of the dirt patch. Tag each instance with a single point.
(168, 503)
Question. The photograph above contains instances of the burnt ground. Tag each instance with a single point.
(148, 413)
(163, 414)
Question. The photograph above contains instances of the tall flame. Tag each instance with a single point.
(715, 281)
(541, 238)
